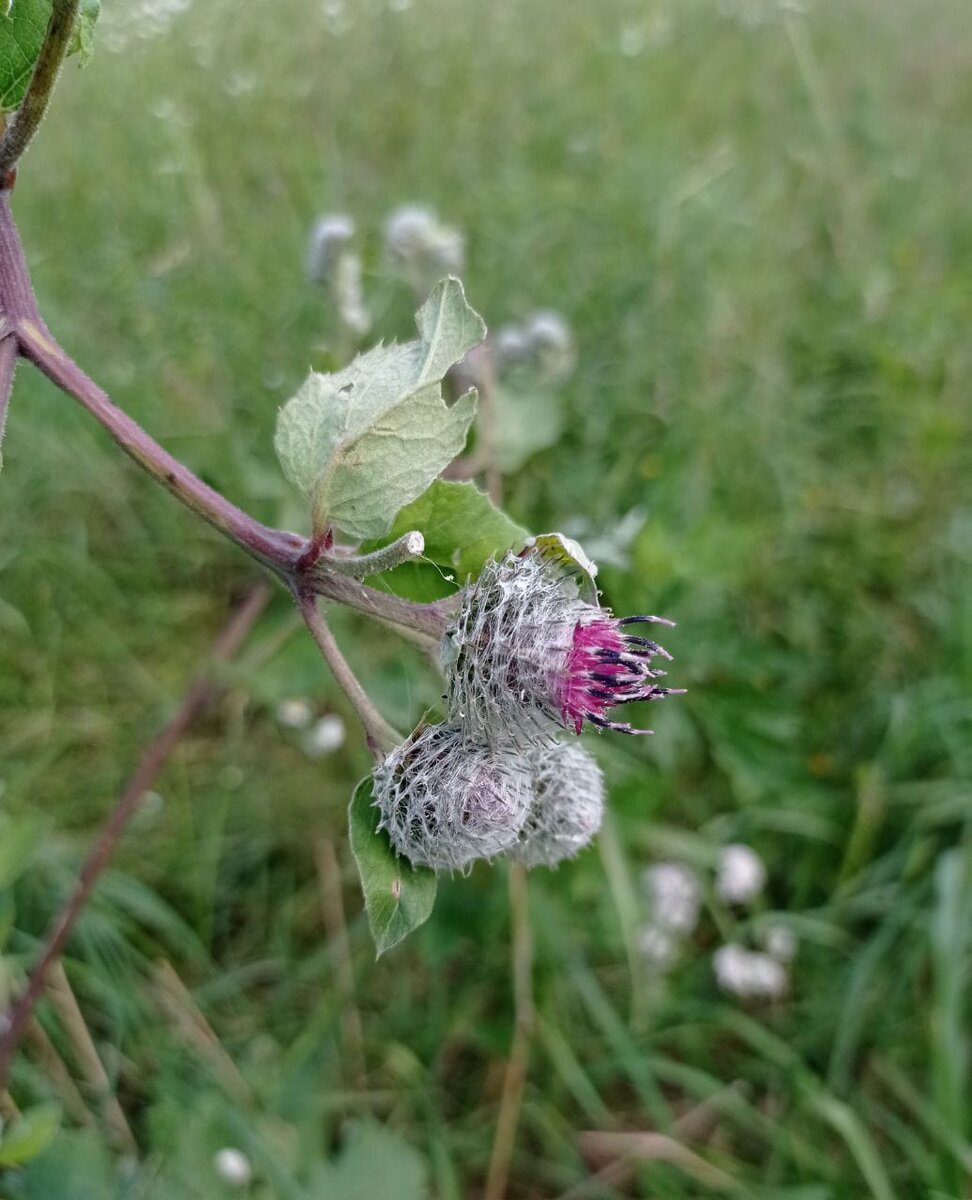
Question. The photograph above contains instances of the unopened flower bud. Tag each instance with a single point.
(526, 652)
(566, 808)
(447, 800)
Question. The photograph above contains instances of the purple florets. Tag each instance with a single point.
(529, 653)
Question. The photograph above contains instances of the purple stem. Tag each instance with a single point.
(8, 364)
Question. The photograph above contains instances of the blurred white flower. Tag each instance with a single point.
(749, 973)
(549, 328)
(295, 713)
(421, 246)
(741, 874)
(328, 239)
(658, 947)
(673, 892)
(233, 1167)
(552, 344)
(780, 942)
(511, 345)
(632, 40)
(326, 736)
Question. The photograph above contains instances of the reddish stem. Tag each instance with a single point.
(196, 700)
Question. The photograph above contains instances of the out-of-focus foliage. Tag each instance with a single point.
(754, 219)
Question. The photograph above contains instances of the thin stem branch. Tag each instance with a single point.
(197, 699)
(37, 97)
(359, 566)
(381, 736)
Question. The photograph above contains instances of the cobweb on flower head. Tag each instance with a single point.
(447, 800)
(567, 805)
(509, 648)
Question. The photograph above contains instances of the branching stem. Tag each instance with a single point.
(360, 566)
(381, 736)
(46, 70)
(283, 553)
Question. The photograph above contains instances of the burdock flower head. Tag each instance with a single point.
(530, 648)
(447, 800)
(566, 807)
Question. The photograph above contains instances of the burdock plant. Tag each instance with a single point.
(529, 652)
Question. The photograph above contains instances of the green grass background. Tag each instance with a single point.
(757, 220)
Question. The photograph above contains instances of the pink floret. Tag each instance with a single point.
(605, 667)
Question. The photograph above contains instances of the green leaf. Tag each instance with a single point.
(363, 442)
(22, 30)
(82, 42)
(375, 1161)
(398, 897)
(461, 525)
(562, 551)
(524, 422)
(28, 1136)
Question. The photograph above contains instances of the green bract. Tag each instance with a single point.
(364, 442)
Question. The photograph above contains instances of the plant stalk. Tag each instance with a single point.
(37, 97)
(283, 553)
(196, 700)
(381, 736)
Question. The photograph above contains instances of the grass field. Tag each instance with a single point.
(757, 220)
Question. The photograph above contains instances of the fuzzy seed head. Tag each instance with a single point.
(447, 800)
(566, 808)
(527, 654)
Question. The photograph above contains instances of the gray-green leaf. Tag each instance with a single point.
(22, 30)
(461, 525)
(367, 440)
(398, 897)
